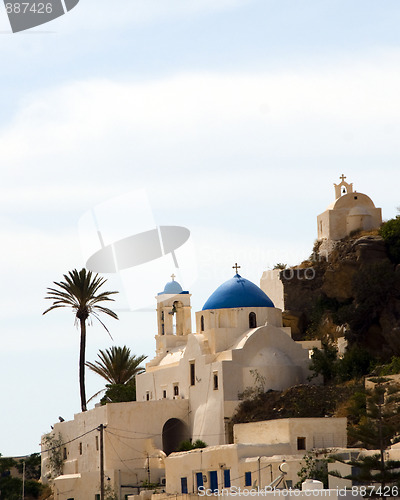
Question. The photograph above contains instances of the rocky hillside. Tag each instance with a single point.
(300, 401)
(356, 293)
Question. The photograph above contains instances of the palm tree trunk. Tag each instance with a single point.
(82, 364)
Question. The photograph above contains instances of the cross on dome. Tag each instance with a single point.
(173, 276)
(236, 267)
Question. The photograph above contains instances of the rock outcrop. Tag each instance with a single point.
(358, 286)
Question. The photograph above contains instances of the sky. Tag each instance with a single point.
(233, 118)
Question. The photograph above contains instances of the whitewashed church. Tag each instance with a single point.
(239, 333)
(189, 390)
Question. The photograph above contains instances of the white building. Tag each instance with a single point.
(254, 458)
(188, 391)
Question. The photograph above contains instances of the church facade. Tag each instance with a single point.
(190, 389)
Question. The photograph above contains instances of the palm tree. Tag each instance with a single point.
(118, 366)
(80, 292)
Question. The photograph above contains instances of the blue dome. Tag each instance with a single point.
(237, 292)
(172, 287)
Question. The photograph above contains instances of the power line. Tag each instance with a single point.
(127, 445)
(122, 461)
(57, 446)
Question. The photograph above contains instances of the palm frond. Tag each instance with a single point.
(95, 395)
(78, 290)
(54, 306)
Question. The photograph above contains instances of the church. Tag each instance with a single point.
(350, 212)
(189, 391)
(239, 335)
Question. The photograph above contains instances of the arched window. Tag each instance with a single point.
(176, 390)
(202, 324)
(252, 320)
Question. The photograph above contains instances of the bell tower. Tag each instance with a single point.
(174, 321)
(343, 188)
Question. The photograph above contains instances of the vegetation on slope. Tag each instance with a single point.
(301, 401)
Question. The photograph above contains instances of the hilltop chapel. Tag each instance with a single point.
(350, 212)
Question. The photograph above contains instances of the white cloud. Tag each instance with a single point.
(169, 121)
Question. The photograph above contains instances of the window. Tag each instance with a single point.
(80, 448)
(97, 443)
(192, 373)
(184, 488)
(164, 393)
(227, 478)
(252, 320)
(199, 479)
(97, 496)
(65, 453)
(202, 324)
(176, 390)
(247, 478)
(147, 396)
(301, 443)
(213, 480)
(215, 378)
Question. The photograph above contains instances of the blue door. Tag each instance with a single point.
(199, 479)
(213, 480)
(184, 485)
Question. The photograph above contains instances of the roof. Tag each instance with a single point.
(172, 288)
(237, 292)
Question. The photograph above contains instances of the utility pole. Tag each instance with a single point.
(23, 480)
(148, 469)
(101, 430)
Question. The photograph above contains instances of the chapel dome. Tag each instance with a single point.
(237, 292)
(351, 200)
(172, 287)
